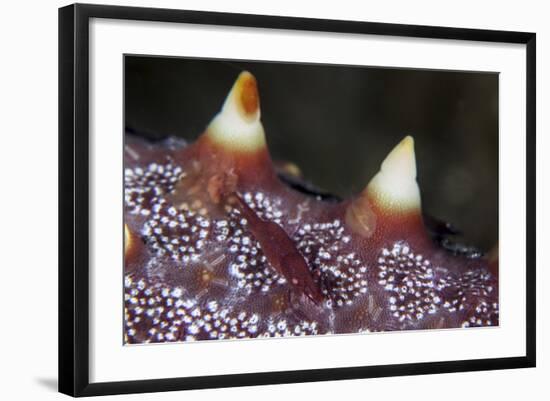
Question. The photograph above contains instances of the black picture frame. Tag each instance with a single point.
(74, 194)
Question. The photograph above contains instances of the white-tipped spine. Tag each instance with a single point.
(237, 126)
(394, 187)
(127, 239)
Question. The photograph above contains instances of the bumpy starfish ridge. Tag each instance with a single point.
(217, 246)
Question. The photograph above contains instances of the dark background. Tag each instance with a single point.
(337, 123)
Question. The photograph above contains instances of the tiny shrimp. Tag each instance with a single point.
(281, 253)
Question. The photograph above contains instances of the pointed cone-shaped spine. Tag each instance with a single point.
(127, 240)
(232, 153)
(393, 191)
(237, 126)
(394, 187)
(134, 249)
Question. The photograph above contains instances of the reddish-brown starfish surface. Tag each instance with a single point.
(217, 246)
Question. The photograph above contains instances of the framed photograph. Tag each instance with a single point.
(250, 199)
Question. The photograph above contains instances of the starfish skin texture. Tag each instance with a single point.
(217, 246)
